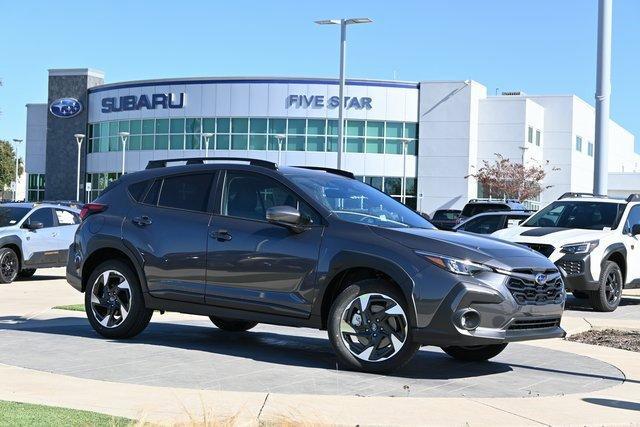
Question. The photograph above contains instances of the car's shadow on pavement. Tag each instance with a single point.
(270, 347)
(579, 304)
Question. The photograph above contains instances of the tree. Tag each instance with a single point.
(504, 178)
(8, 164)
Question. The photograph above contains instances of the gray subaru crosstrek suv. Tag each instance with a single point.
(246, 242)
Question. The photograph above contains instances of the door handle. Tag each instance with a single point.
(222, 235)
(142, 220)
(54, 234)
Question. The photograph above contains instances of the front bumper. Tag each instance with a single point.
(502, 319)
(576, 272)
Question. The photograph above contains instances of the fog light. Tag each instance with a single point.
(468, 319)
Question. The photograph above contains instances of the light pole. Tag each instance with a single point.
(343, 48)
(603, 92)
(280, 137)
(206, 137)
(405, 143)
(79, 138)
(123, 138)
(15, 188)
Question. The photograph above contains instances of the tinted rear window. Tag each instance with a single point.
(138, 190)
(152, 195)
(473, 209)
(445, 215)
(190, 192)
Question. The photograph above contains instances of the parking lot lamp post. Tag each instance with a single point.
(15, 188)
(79, 138)
(123, 138)
(405, 143)
(280, 137)
(343, 51)
(206, 137)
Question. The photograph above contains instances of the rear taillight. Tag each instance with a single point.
(91, 208)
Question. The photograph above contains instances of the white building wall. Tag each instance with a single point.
(448, 146)
(36, 138)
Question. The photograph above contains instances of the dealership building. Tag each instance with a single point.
(433, 133)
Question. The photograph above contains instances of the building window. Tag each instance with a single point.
(530, 135)
(100, 181)
(538, 137)
(579, 143)
(256, 133)
(393, 187)
(590, 148)
(35, 187)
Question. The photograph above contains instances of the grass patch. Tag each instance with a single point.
(71, 307)
(26, 414)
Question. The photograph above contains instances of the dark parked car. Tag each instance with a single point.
(478, 206)
(489, 222)
(249, 243)
(445, 219)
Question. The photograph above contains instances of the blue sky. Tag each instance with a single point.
(537, 46)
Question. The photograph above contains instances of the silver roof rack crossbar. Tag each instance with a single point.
(161, 163)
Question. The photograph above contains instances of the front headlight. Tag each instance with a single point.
(455, 265)
(579, 248)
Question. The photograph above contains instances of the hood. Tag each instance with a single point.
(559, 236)
(485, 250)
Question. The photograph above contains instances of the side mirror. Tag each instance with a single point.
(33, 225)
(635, 229)
(287, 216)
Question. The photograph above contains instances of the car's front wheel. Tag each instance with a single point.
(9, 265)
(114, 303)
(369, 328)
(609, 294)
(476, 353)
(232, 325)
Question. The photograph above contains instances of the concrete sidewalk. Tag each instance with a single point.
(170, 405)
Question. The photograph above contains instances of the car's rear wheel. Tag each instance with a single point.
(369, 328)
(114, 303)
(476, 353)
(580, 294)
(25, 273)
(608, 296)
(232, 325)
(9, 265)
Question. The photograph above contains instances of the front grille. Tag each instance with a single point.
(545, 250)
(526, 291)
(571, 267)
(535, 324)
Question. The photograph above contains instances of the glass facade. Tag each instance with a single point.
(99, 182)
(35, 187)
(242, 133)
(393, 186)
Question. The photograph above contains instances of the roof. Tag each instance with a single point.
(592, 199)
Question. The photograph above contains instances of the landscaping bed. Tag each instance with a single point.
(625, 340)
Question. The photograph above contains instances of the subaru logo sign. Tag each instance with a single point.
(541, 279)
(65, 107)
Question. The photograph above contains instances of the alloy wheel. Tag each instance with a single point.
(373, 327)
(613, 287)
(9, 266)
(111, 299)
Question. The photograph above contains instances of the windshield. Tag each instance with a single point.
(584, 215)
(11, 215)
(355, 201)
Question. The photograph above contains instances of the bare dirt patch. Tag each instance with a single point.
(625, 340)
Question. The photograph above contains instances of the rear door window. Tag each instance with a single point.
(189, 192)
(65, 217)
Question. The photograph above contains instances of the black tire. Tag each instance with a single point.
(232, 325)
(356, 345)
(122, 326)
(9, 265)
(580, 294)
(26, 273)
(477, 353)
(608, 296)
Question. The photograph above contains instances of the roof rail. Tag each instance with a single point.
(153, 164)
(634, 197)
(578, 195)
(329, 170)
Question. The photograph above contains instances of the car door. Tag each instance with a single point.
(253, 264)
(39, 247)
(168, 228)
(66, 224)
(632, 244)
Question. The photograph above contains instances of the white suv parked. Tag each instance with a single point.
(34, 236)
(594, 240)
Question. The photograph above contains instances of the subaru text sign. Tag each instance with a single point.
(65, 107)
(150, 102)
(320, 101)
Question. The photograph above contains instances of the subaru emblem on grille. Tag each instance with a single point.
(541, 279)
